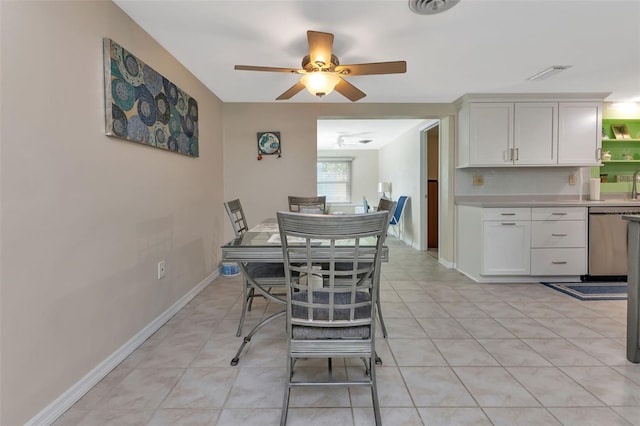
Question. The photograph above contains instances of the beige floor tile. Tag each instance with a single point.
(596, 416)
(319, 416)
(467, 352)
(443, 328)
(257, 387)
(416, 353)
(389, 415)
(560, 352)
(607, 384)
(436, 386)
(485, 328)
(184, 416)
(250, 416)
(201, 388)
(521, 416)
(494, 387)
(553, 388)
(513, 352)
(142, 389)
(453, 416)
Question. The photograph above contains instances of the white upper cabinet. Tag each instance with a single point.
(536, 133)
(580, 133)
(529, 133)
(490, 133)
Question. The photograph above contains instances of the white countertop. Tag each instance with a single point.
(541, 201)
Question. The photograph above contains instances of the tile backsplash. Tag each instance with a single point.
(523, 181)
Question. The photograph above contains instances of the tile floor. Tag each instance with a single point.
(458, 353)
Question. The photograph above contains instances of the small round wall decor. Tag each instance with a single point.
(269, 144)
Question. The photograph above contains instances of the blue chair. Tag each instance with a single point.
(397, 214)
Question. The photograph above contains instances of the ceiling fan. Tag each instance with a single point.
(322, 73)
(344, 139)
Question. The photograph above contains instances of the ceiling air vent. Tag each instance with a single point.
(431, 7)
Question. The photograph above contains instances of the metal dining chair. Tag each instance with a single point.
(316, 204)
(333, 316)
(268, 275)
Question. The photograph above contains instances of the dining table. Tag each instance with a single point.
(261, 243)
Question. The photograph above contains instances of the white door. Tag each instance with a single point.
(536, 133)
(506, 248)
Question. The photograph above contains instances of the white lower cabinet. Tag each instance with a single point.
(558, 241)
(506, 235)
(525, 243)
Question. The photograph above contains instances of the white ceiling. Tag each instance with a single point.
(347, 134)
(478, 46)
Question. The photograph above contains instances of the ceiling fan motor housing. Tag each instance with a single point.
(431, 7)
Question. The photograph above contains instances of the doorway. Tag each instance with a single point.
(431, 138)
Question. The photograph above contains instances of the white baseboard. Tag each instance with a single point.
(447, 264)
(75, 392)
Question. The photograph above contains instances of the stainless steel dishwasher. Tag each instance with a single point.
(608, 241)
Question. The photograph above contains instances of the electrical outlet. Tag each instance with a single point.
(478, 180)
(572, 180)
(162, 271)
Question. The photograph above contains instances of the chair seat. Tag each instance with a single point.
(332, 333)
(265, 270)
(358, 332)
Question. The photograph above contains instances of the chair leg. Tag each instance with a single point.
(374, 393)
(250, 296)
(380, 318)
(245, 296)
(287, 393)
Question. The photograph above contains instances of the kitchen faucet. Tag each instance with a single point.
(634, 190)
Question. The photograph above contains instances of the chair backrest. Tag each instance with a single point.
(236, 215)
(402, 200)
(308, 204)
(387, 205)
(343, 297)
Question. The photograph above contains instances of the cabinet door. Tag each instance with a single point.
(536, 133)
(579, 133)
(506, 248)
(490, 134)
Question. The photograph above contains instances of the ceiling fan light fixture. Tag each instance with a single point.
(320, 83)
(431, 7)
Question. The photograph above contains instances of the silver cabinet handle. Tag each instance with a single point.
(517, 154)
(558, 235)
(558, 214)
(599, 154)
(508, 223)
(559, 262)
(507, 214)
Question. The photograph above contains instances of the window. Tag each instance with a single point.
(334, 179)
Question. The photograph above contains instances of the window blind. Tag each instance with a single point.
(334, 179)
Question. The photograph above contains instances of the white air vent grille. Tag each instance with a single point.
(431, 7)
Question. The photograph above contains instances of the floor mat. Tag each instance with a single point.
(592, 290)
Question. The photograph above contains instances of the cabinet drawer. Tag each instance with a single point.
(560, 261)
(558, 213)
(508, 214)
(558, 233)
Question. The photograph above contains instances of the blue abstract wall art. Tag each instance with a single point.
(143, 106)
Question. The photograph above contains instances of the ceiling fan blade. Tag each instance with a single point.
(397, 67)
(320, 46)
(271, 69)
(291, 91)
(349, 91)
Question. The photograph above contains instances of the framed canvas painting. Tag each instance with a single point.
(144, 107)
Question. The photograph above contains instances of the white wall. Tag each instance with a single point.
(399, 163)
(85, 218)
